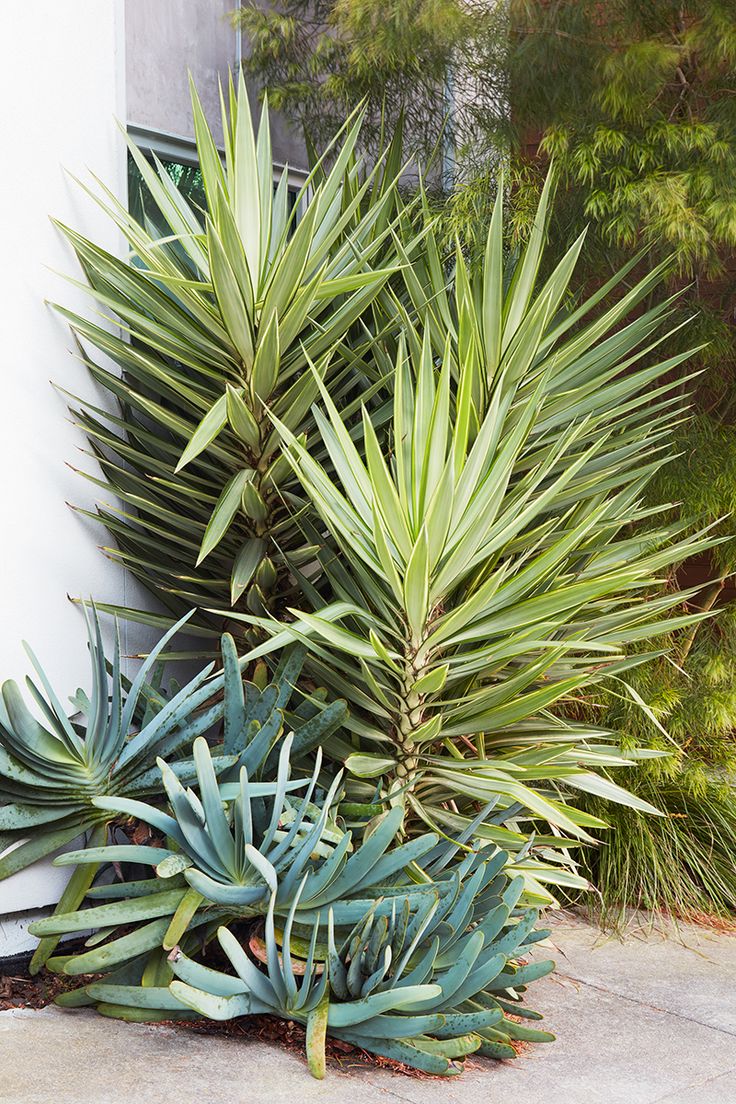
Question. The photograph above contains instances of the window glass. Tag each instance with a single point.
(187, 177)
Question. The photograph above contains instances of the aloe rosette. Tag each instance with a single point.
(54, 771)
(423, 979)
(415, 952)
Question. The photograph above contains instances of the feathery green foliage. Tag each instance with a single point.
(638, 112)
(681, 863)
(319, 59)
(684, 862)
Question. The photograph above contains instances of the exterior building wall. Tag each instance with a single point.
(61, 83)
(68, 71)
(165, 40)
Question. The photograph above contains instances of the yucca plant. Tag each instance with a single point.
(484, 571)
(220, 310)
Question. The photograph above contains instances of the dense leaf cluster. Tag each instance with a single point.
(414, 481)
(635, 104)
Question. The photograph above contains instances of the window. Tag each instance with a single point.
(179, 158)
(186, 176)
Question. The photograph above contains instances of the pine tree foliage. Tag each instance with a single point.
(638, 111)
(318, 58)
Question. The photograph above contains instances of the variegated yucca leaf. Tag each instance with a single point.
(220, 310)
(486, 569)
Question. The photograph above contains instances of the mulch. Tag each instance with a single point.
(22, 991)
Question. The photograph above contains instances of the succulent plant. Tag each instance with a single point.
(53, 772)
(423, 979)
(225, 851)
(210, 857)
(481, 569)
(224, 306)
(409, 951)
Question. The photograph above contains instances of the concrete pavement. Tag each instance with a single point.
(651, 1020)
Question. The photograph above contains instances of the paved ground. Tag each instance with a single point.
(651, 1020)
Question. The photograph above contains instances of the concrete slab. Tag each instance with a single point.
(713, 1090)
(681, 968)
(611, 1050)
(616, 1044)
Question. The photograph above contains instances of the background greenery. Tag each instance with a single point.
(636, 105)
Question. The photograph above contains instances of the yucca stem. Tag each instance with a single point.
(410, 718)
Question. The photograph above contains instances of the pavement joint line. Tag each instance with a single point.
(646, 1004)
(397, 1096)
(693, 1085)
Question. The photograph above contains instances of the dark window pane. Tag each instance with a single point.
(187, 178)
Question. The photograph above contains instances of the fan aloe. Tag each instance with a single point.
(410, 951)
(226, 850)
(78, 774)
(483, 569)
(220, 310)
(423, 982)
(52, 774)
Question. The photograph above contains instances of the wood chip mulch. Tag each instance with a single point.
(21, 991)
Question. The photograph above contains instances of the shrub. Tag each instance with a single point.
(220, 312)
(417, 480)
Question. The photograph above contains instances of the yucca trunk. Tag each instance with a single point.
(410, 719)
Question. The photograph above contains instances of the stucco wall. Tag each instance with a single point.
(61, 86)
(165, 40)
(67, 71)
(168, 39)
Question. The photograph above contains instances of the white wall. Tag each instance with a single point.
(61, 86)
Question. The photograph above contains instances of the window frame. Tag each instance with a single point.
(176, 147)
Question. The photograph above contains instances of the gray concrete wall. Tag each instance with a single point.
(164, 41)
(167, 39)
